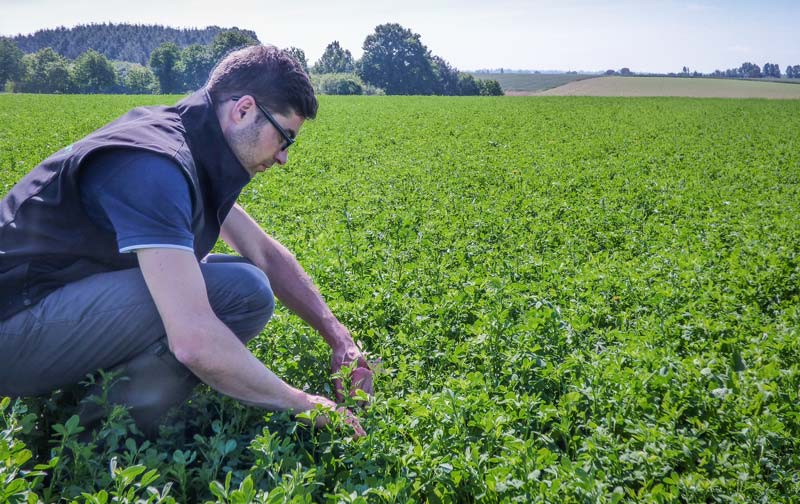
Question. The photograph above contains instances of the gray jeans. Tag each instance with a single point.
(109, 321)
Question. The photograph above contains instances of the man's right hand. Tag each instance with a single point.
(349, 418)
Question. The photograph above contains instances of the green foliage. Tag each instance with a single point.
(195, 66)
(140, 80)
(334, 60)
(446, 77)
(164, 62)
(337, 84)
(575, 300)
(468, 85)
(396, 60)
(299, 55)
(93, 73)
(11, 67)
(123, 42)
(230, 40)
(490, 87)
(45, 72)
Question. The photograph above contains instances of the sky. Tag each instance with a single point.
(646, 36)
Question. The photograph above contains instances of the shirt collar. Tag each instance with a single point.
(225, 176)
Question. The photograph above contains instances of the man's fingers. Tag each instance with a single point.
(351, 420)
(338, 387)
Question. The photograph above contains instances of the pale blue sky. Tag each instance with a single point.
(647, 36)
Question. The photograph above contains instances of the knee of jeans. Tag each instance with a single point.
(257, 291)
(258, 299)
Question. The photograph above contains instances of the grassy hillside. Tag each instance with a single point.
(672, 86)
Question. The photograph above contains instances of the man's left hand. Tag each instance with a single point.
(361, 377)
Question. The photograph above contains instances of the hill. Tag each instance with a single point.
(124, 42)
(515, 83)
(672, 86)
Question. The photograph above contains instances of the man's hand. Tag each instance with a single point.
(360, 377)
(349, 418)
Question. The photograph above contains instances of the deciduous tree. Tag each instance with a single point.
(11, 67)
(46, 71)
(93, 73)
(195, 66)
(140, 80)
(164, 63)
(299, 55)
(335, 59)
(396, 60)
(230, 40)
(490, 87)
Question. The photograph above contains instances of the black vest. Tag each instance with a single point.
(46, 238)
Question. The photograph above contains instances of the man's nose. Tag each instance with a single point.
(282, 157)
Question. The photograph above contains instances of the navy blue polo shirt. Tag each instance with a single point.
(140, 196)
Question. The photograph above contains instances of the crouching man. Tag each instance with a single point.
(104, 252)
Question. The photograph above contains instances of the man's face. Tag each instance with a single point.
(254, 140)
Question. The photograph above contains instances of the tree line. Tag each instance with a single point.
(123, 42)
(395, 61)
(753, 71)
(747, 70)
(171, 69)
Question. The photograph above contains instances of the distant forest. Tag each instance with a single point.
(144, 59)
(123, 42)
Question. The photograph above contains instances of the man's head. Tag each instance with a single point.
(253, 87)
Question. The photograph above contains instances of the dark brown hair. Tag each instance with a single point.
(272, 76)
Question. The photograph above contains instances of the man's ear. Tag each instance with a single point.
(241, 107)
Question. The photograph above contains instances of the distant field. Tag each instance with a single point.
(526, 83)
(670, 86)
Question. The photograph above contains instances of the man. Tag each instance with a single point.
(104, 252)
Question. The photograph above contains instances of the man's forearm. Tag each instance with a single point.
(224, 363)
(294, 288)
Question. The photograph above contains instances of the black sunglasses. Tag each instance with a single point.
(287, 140)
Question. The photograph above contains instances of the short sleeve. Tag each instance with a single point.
(140, 196)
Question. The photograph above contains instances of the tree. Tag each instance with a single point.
(750, 70)
(195, 66)
(625, 71)
(338, 84)
(140, 80)
(789, 72)
(396, 60)
(230, 40)
(11, 67)
(117, 42)
(334, 60)
(164, 63)
(467, 85)
(490, 87)
(45, 72)
(771, 70)
(446, 77)
(299, 55)
(93, 73)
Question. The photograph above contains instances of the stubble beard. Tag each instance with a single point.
(244, 143)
